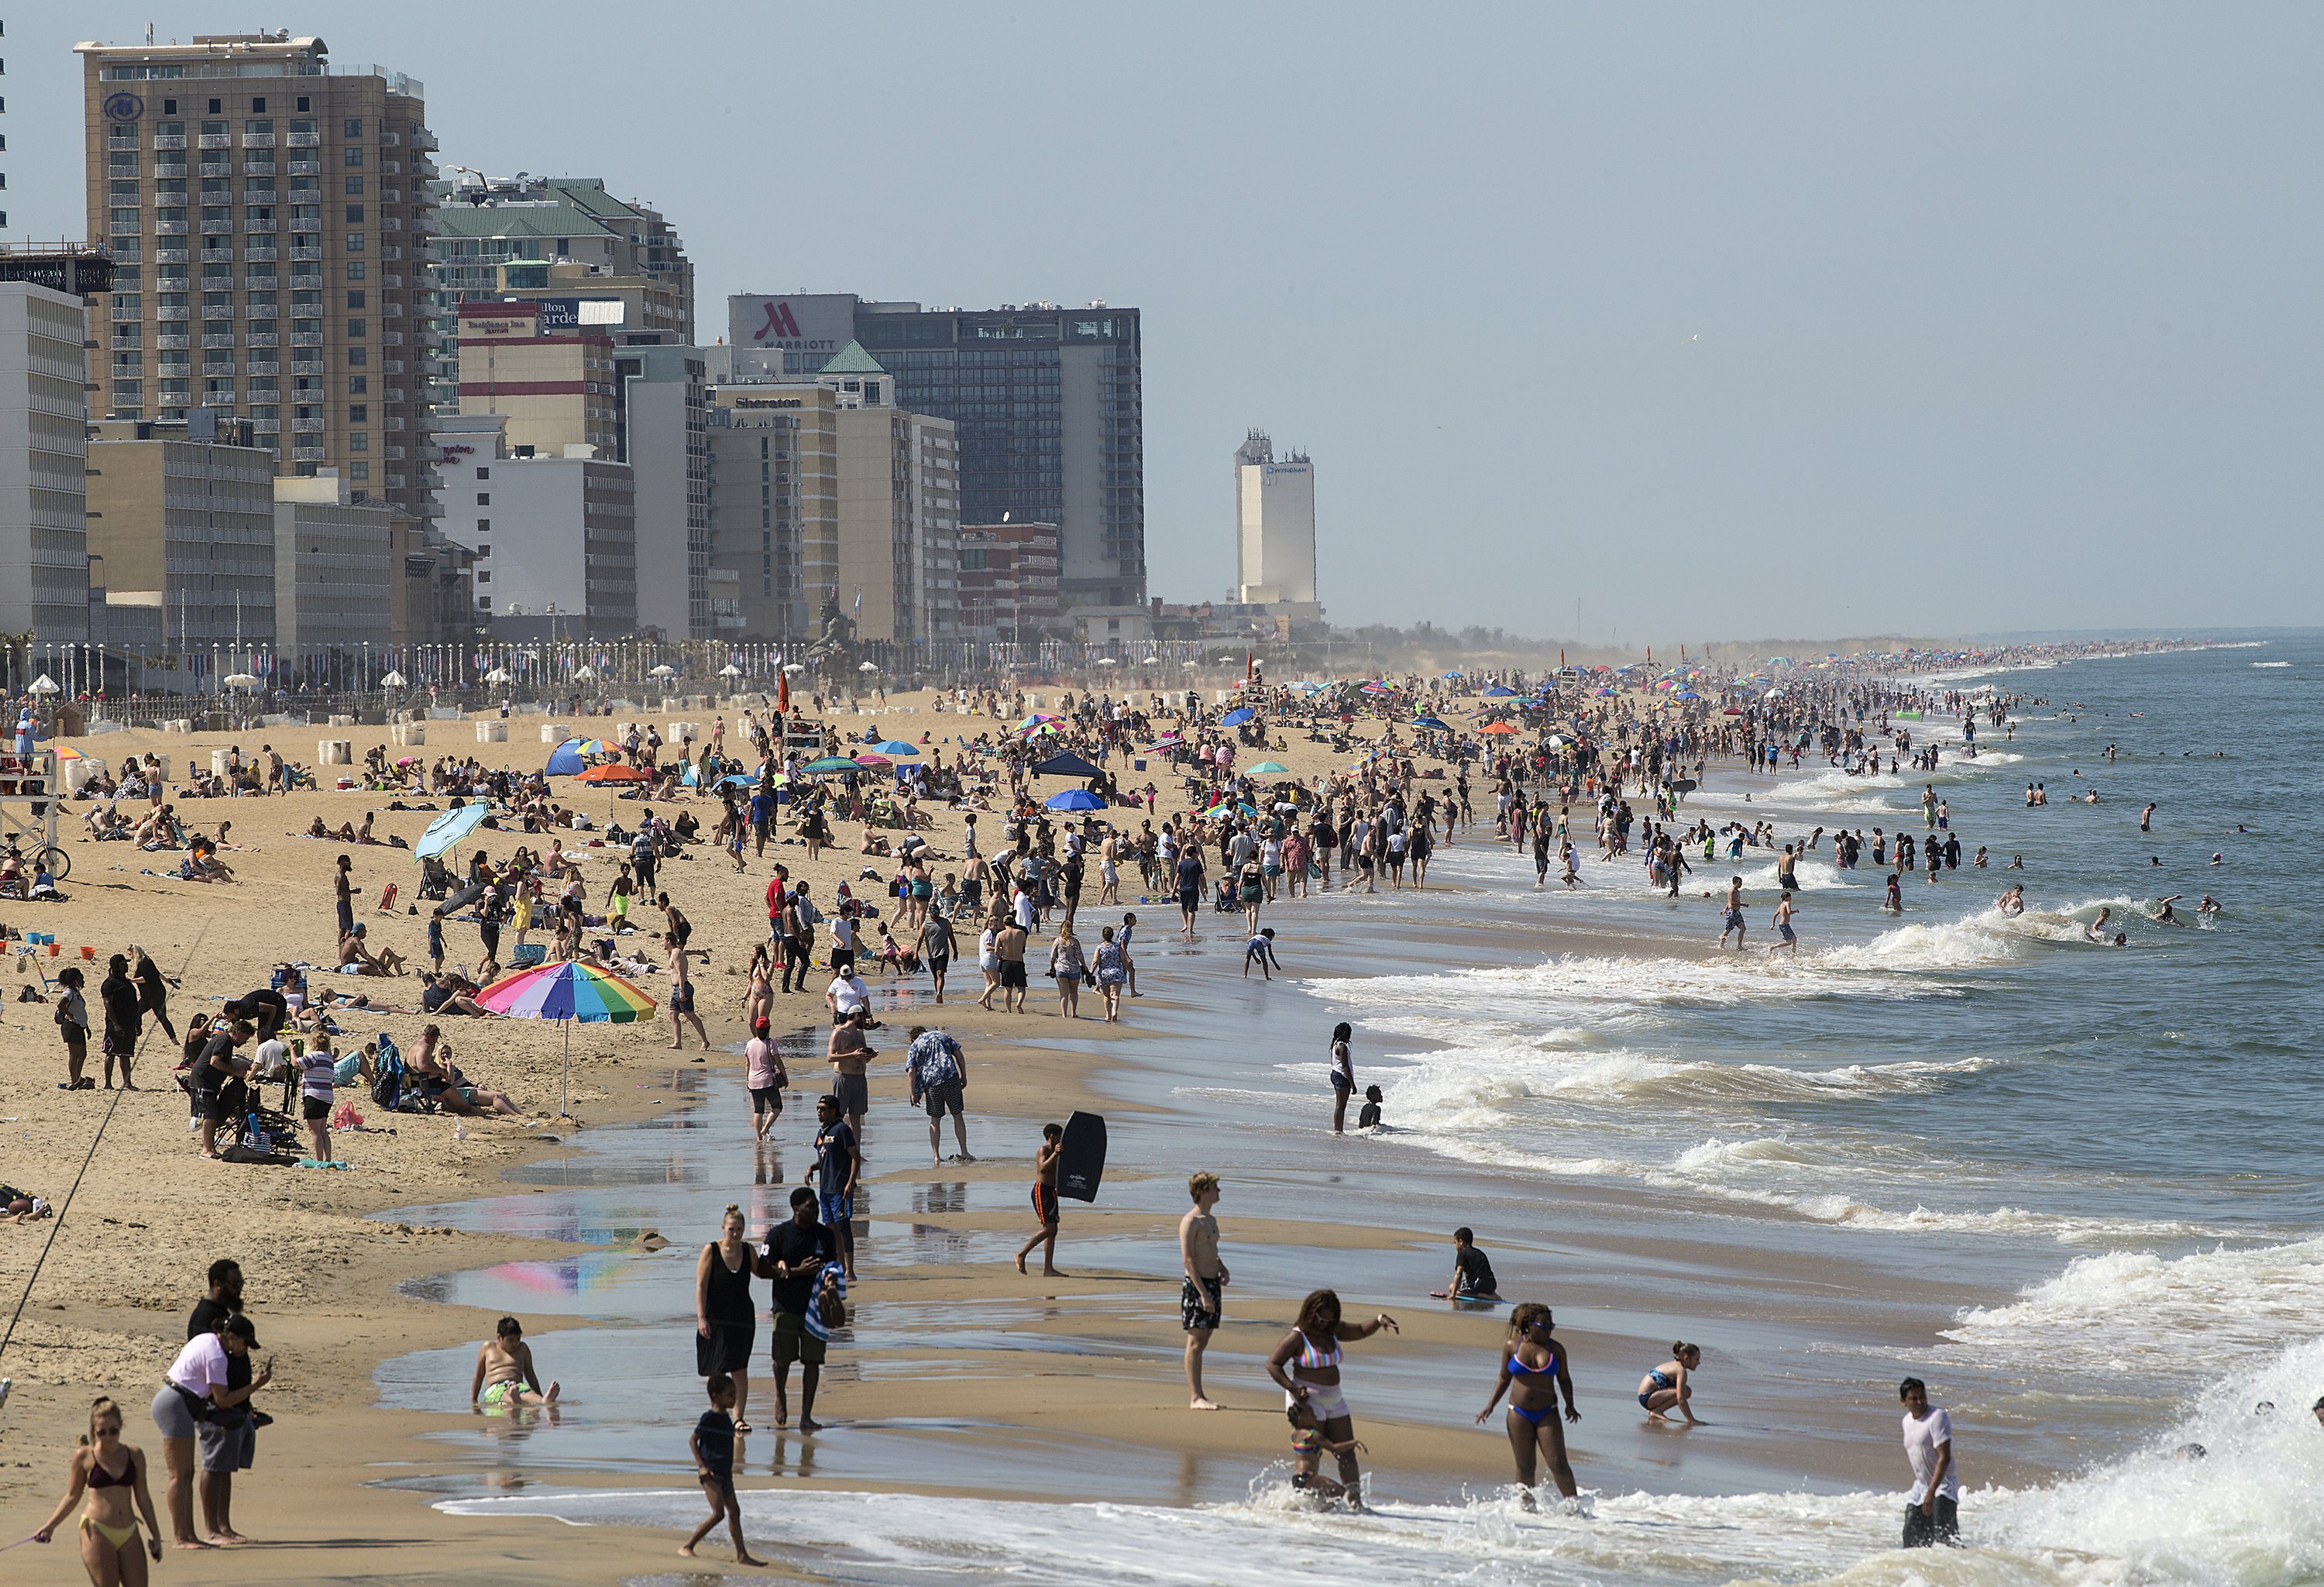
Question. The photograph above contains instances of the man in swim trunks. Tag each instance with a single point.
(1732, 921)
(1786, 937)
(506, 1376)
(1201, 1297)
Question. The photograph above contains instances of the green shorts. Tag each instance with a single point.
(497, 1394)
(793, 1342)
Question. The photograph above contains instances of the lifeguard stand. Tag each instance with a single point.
(29, 792)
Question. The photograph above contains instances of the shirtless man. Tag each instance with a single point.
(681, 996)
(353, 950)
(1201, 1299)
(1786, 936)
(851, 1056)
(2095, 930)
(1733, 919)
(505, 1375)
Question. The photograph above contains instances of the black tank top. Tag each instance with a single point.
(729, 1299)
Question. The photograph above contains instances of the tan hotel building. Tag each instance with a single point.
(269, 215)
(555, 388)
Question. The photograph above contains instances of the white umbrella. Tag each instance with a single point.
(583, 674)
(729, 670)
(1107, 662)
(44, 685)
(393, 680)
(868, 667)
(794, 668)
(664, 671)
(497, 675)
(1151, 661)
(239, 680)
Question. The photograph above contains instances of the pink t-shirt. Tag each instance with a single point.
(760, 1054)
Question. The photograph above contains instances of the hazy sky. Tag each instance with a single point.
(1726, 320)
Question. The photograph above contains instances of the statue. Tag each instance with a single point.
(833, 656)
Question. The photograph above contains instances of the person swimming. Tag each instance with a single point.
(2095, 930)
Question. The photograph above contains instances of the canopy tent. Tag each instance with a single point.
(1066, 764)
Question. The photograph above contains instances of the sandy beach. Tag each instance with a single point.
(372, 1288)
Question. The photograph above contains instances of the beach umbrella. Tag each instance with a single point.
(1075, 799)
(1035, 720)
(43, 684)
(897, 746)
(1107, 662)
(1499, 692)
(616, 772)
(1686, 693)
(1602, 693)
(565, 992)
(448, 829)
(1430, 723)
(1499, 727)
(1065, 765)
(1270, 768)
(873, 760)
(795, 668)
(1168, 741)
(583, 674)
(729, 670)
(392, 680)
(67, 753)
(868, 667)
(497, 675)
(832, 763)
(664, 671)
(239, 680)
(1238, 716)
(1151, 661)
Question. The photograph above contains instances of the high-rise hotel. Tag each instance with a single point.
(270, 218)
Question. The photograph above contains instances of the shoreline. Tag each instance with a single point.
(1112, 1386)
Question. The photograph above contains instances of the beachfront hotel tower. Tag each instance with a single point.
(1275, 524)
(271, 223)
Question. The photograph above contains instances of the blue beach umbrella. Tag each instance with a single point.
(1075, 799)
(896, 746)
(1238, 716)
(448, 829)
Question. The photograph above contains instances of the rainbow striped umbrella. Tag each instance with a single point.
(565, 992)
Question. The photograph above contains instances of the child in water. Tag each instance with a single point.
(1307, 1447)
(1369, 1118)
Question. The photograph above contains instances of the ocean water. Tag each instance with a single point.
(2073, 1185)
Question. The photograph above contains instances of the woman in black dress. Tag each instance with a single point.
(726, 1319)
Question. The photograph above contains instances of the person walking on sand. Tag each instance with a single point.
(1672, 1385)
(725, 1318)
(1010, 944)
(681, 998)
(838, 1164)
(713, 1443)
(505, 1376)
(1047, 1214)
(1066, 967)
(1932, 1509)
(937, 1070)
(1343, 1076)
(1202, 1299)
(794, 1255)
(112, 1474)
(1533, 1366)
(1307, 1363)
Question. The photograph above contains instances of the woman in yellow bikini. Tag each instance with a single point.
(112, 1474)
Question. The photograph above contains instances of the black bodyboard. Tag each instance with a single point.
(1083, 1162)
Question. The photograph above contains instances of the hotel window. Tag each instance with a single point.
(358, 413)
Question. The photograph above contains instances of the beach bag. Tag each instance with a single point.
(393, 1085)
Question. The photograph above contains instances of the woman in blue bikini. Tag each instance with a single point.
(1533, 1368)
